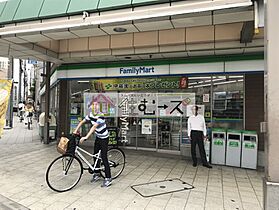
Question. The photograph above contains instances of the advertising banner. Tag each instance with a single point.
(146, 83)
(5, 89)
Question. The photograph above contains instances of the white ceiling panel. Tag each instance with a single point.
(68, 60)
(21, 47)
(14, 39)
(28, 57)
(256, 42)
(154, 25)
(233, 17)
(151, 56)
(16, 53)
(174, 55)
(201, 53)
(31, 52)
(87, 59)
(80, 54)
(233, 44)
(34, 38)
(43, 57)
(4, 50)
(59, 35)
(106, 58)
(192, 21)
(87, 32)
(229, 51)
(64, 55)
(128, 58)
(130, 28)
(4, 42)
(253, 49)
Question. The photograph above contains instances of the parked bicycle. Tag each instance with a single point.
(65, 172)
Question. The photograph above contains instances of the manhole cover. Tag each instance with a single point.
(161, 187)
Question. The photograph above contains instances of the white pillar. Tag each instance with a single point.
(271, 182)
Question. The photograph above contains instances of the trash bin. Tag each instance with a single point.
(52, 126)
(249, 149)
(233, 148)
(218, 147)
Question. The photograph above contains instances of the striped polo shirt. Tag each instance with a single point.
(101, 130)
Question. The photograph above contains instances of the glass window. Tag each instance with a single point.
(228, 98)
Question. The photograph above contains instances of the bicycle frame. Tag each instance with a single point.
(97, 156)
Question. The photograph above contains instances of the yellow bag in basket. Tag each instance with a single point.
(62, 145)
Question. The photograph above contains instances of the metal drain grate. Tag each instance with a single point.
(161, 187)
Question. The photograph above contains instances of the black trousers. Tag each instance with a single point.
(197, 138)
(102, 144)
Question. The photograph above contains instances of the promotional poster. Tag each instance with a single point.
(5, 89)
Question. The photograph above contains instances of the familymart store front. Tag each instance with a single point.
(151, 102)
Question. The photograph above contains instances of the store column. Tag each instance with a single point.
(63, 127)
(271, 182)
(47, 102)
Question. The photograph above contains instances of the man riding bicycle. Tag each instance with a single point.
(101, 142)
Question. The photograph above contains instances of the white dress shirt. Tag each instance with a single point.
(196, 123)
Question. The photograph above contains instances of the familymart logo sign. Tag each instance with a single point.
(137, 70)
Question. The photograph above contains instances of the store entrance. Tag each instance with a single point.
(169, 133)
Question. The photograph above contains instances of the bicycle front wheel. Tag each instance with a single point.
(64, 173)
(116, 158)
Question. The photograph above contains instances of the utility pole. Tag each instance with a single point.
(47, 101)
(20, 80)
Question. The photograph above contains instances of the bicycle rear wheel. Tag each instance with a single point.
(64, 173)
(116, 158)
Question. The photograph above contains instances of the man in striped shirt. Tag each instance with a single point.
(101, 142)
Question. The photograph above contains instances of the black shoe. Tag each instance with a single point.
(207, 165)
(194, 165)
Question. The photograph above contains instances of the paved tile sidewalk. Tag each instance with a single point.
(19, 134)
(24, 162)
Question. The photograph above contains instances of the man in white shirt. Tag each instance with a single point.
(197, 133)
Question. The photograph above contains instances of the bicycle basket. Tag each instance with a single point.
(63, 145)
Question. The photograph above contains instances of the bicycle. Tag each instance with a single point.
(29, 116)
(65, 171)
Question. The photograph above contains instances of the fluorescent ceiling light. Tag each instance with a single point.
(83, 81)
(191, 78)
(237, 76)
(149, 12)
(227, 82)
(79, 92)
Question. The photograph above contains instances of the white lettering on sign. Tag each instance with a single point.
(124, 123)
(137, 70)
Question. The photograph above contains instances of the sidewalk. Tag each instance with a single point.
(24, 160)
(19, 134)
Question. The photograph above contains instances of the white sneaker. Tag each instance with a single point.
(107, 182)
(95, 178)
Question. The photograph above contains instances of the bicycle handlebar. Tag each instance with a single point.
(77, 138)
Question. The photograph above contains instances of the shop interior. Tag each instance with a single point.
(222, 97)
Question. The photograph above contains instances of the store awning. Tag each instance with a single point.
(27, 10)
(63, 31)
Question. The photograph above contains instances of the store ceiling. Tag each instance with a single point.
(25, 45)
